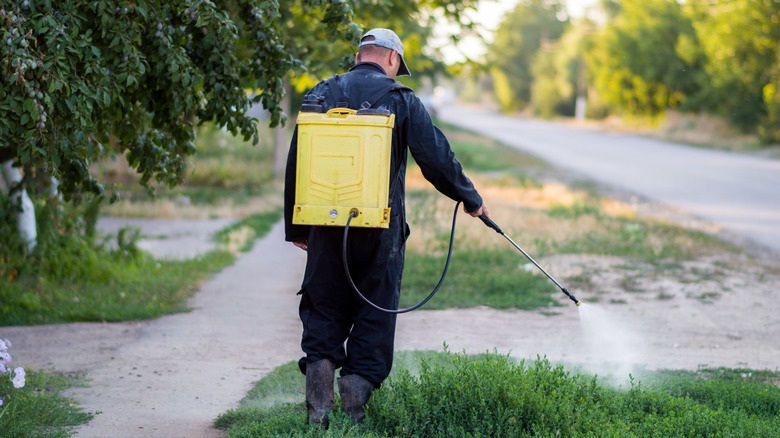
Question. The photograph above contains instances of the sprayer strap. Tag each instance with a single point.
(343, 101)
(381, 93)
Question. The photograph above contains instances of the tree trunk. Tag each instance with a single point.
(281, 136)
(582, 90)
(25, 219)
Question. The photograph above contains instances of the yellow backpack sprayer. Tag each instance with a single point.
(343, 174)
(343, 167)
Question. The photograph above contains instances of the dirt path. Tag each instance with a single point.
(171, 377)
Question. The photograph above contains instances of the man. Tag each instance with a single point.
(331, 312)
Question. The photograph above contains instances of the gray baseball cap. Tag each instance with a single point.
(388, 39)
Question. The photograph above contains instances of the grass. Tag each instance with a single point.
(475, 278)
(116, 288)
(38, 409)
(446, 394)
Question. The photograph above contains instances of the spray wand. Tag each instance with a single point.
(494, 226)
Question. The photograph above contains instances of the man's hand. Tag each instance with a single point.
(302, 244)
(478, 213)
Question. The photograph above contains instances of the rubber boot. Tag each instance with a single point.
(319, 391)
(355, 391)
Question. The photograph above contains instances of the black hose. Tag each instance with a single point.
(408, 309)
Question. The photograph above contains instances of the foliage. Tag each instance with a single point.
(80, 77)
(412, 20)
(769, 130)
(644, 57)
(491, 395)
(561, 72)
(637, 67)
(31, 404)
(740, 43)
(531, 25)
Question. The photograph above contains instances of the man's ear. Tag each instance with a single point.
(394, 58)
(357, 58)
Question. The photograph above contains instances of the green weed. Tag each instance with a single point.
(38, 409)
(491, 395)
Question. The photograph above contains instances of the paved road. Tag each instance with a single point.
(740, 193)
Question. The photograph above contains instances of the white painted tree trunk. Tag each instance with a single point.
(579, 111)
(281, 136)
(25, 219)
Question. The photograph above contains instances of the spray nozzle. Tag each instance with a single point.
(571, 297)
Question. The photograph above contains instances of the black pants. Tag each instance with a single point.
(332, 313)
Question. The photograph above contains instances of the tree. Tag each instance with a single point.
(559, 72)
(82, 78)
(523, 31)
(739, 40)
(635, 64)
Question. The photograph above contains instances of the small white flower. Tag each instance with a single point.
(18, 380)
(3, 369)
(5, 357)
(1, 402)
(3, 345)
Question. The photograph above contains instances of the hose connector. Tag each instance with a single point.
(490, 223)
